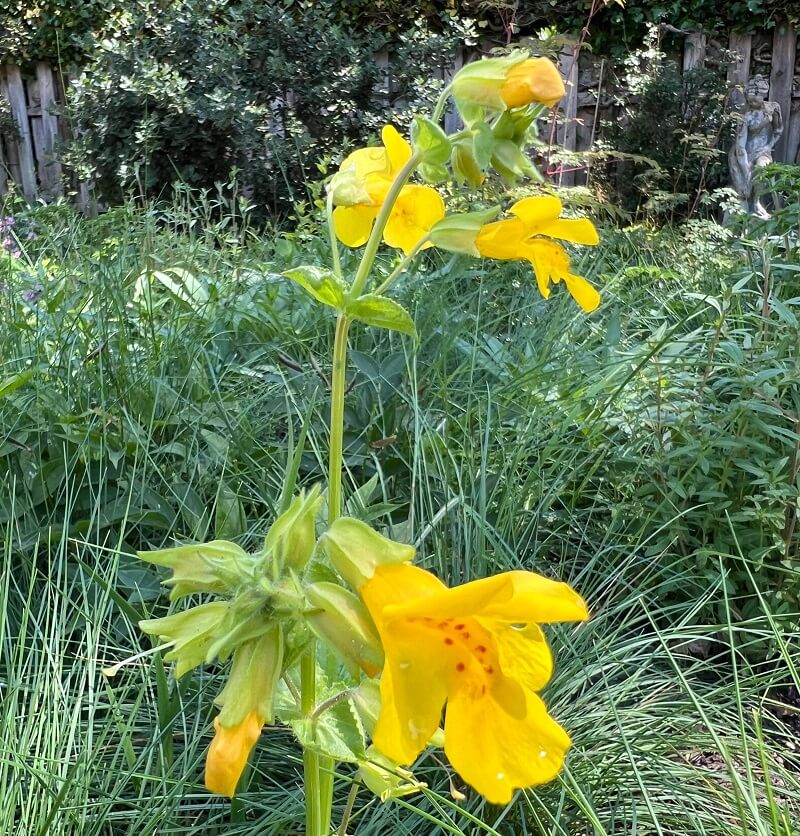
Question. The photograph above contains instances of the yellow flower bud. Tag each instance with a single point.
(534, 81)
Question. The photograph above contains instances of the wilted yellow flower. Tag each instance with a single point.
(477, 647)
(229, 751)
(246, 705)
(534, 81)
(521, 237)
(364, 180)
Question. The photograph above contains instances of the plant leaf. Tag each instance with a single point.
(319, 283)
(382, 313)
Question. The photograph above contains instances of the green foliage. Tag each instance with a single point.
(637, 453)
(194, 90)
(676, 120)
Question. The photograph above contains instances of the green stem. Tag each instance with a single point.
(337, 265)
(374, 241)
(401, 267)
(439, 109)
(335, 461)
(348, 810)
(308, 695)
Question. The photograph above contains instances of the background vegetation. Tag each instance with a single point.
(157, 374)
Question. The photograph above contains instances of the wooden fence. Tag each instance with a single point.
(29, 156)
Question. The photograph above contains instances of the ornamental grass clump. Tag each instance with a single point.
(412, 654)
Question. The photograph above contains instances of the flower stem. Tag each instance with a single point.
(338, 380)
(337, 265)
(401, 267)
(311, 776)
(440, 104)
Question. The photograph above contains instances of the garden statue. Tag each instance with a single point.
(759, 129)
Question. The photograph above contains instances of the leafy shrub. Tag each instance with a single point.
(676, 120)
(195, 90)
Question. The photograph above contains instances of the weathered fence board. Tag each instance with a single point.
(694, 50)
(49, 168)
(15, 93)
(742, 46)
(784, 45)
(568, 126)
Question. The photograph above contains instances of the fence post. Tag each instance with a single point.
(739, 70)
(15, 92)
(784, 45)
(49, 167)
(694, 51)
(568, 128)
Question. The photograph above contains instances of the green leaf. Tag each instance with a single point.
(337, 733)
(482, 144)
(319, 283)
(382, 313)
(429, 141)
(9, 384)
(229, 520)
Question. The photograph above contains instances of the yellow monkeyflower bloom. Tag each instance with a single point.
(521, 237)
(477, 647)
(229, 751)
(533, 81)
(366, 176)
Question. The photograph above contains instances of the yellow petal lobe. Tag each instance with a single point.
(228, 754)
(353, 224)
(582, 292)
(498, 753)
(398, 150)
(417, 209)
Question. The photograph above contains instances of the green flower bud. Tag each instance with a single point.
(430, 142)
(385, 778)
(355, 550)
(511, 164)
(340, 618)
(255, 672)
(348, 189)
(192, 631)
(292, 537)
(218, 567)
(457, 233)
(465, 166)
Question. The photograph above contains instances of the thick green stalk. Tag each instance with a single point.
(311, 777)
(338, 382)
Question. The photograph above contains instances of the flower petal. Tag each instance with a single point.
(398, 151)
(497, 752)
(514, 597)
(367, 161)
(576, 230)
(524, 653)
(501, 239)
(393, 583)
(582, 292)
(354, 223)
(538, 211)
(417, 209)
(228, 754)
(413, 691)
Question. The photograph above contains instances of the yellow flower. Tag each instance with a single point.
(520, 238)
(535, 80)
(365, 178)
(229, 751)
(477, 647)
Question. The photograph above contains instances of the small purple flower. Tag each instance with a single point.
(33, 295)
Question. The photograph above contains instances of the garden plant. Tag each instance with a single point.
(352, 595)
